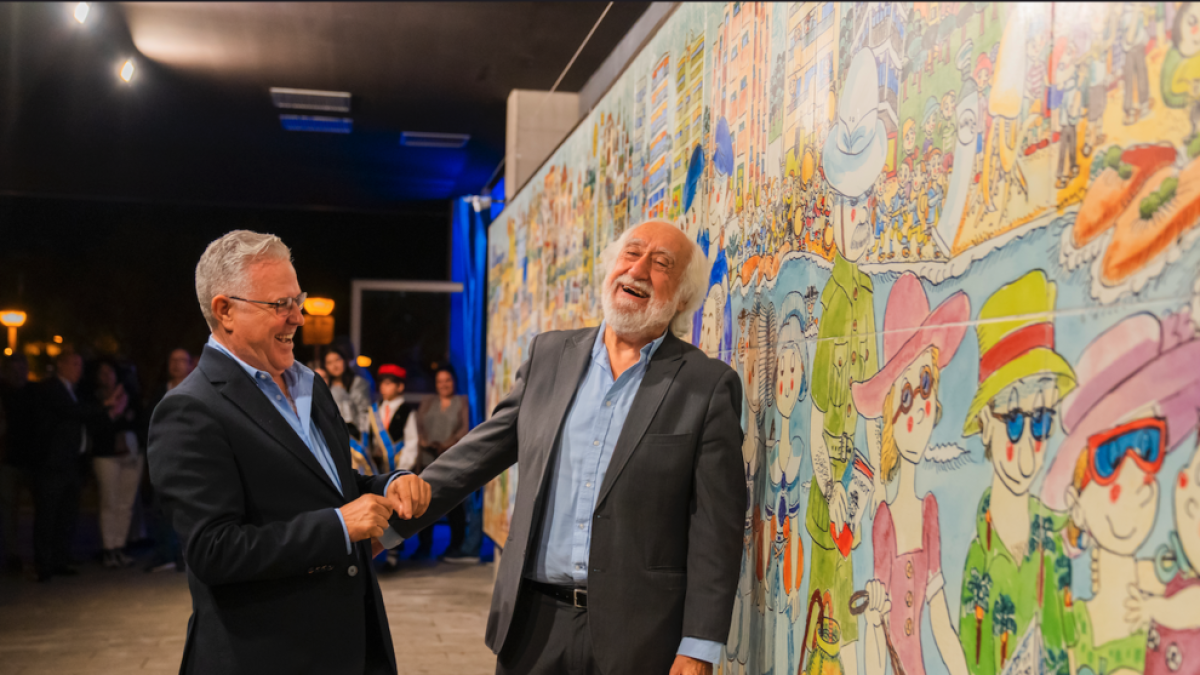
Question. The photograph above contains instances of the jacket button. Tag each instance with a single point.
(352, 570)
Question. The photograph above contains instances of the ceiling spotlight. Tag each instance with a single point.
(127, 70)
(81, 12)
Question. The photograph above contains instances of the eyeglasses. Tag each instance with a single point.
(283, 306)
(908, 395)
(1040, 422)
(1145, 440)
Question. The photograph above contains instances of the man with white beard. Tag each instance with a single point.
(625, 539)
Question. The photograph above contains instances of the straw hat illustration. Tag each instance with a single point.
(1016, 340)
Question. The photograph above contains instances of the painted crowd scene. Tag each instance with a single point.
(954, 262)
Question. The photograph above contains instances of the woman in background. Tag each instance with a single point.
(442, 421)
(117, 460)
(350, 392)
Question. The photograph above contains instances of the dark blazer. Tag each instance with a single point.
(667, 530)
(60, 421)
(273, 590)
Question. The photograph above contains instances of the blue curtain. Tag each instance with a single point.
(468, 265)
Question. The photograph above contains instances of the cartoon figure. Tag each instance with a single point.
(1137, 79)
(1173, 638)
(1009, 585)
(1096, 58)
(930, 124)
(917, 345)
(844, 355)
(1137, 399)
(712, 326)
(949, 120)
(1181, 67)
(910, 140)
(1070, 113)
(755, 359)
(785, 568)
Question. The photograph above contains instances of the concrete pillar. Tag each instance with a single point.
(537, 123)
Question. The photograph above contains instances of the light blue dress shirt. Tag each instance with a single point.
(299, 380)
(585, 449)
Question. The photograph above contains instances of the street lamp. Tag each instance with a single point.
(318, 327)
(13, 319)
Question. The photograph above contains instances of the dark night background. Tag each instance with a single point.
(109, 191)
(118, 278)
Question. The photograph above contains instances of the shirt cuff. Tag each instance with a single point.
(345, 530)
(701, 650)
(389, 539)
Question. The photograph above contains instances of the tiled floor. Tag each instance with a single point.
(109, 622)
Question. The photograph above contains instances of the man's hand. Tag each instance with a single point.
(686, 665)
(366, 517)
(409, 496)
(376, 547)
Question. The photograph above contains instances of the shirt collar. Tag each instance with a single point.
(647, 352)
(291, 376)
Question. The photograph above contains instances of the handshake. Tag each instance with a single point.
(367, 517)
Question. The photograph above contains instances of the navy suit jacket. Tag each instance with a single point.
(273, 589)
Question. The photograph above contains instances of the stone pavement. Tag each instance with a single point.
(126, 621)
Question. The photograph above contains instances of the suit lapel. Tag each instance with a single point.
(656, 382)
(339, 450)
(572, 364)
(235, 385)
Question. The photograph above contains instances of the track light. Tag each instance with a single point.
(127, 70)
(81, 12)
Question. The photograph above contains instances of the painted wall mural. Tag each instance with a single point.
(954, 260)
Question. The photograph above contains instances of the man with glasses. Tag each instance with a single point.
(1012, 575)
(252, 464)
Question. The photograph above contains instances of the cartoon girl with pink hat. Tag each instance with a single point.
(918, 343)
(1138, 398)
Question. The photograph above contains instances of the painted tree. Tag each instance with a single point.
(1055, 662)
(979, 591)
(1041, 541)
(1062, 566)
(1004, 623)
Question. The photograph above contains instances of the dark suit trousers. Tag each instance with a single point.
(56, 513)
(548, 637)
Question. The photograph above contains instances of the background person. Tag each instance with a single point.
(442, 420)
(167, 554)
(351, 392)
(397, 416)
(60, 422)
(252, 463)
(15, 391)
(117, 456)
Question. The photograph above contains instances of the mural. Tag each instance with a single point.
(954, 261)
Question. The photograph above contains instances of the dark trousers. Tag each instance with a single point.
(458, 528)
(547, 637)
(56, 513)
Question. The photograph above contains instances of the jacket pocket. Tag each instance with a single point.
(666, 440)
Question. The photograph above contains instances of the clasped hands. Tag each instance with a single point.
(367, 517)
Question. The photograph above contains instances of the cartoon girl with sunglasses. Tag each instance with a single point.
(1137, 399)
(917, 345)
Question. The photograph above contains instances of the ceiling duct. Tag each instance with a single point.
(311, 99)
(429, 139)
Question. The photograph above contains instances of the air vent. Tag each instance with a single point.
(429, 139)
(311, 99)
(329, 125)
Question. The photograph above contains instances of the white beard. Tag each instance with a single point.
(635, 321)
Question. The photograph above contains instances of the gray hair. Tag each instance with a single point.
(224, 269)
(693, 286)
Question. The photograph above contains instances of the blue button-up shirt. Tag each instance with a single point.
(585, 449)
(299, 380)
